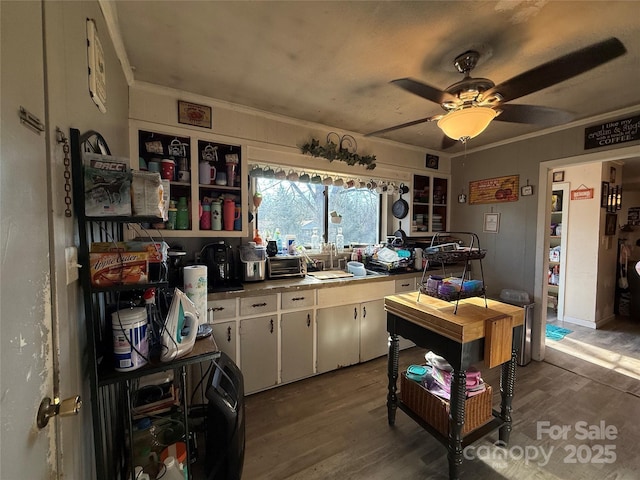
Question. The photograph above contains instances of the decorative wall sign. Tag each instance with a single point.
(431, 161)
(494, 190)
(97, 73)
(612, 133)
(194, 114)
(526, 190)
(558, 176)
(582, 193)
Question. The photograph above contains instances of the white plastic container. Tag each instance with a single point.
(174, 472)
(130, 342)
(357, 268)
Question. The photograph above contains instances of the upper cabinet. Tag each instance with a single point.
(429, 212)
(204, 173)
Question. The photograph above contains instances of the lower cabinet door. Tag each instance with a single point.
(338, 337)
(225, 337)
(374, 338)
(297, 345)
(259, 352)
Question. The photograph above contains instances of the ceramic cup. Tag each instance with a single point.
(268, 172)
(316, 179)
(305, 177)
(184, 176)
(221, 178)
(338, 182)
(256, 171)
(167, 169)
(351, 183)
(280, 174)
(327, 180)
(292, 176)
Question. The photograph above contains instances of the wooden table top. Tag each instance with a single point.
(467, 325)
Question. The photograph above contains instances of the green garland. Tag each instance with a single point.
(332, 151)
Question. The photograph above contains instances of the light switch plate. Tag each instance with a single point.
(71, 261)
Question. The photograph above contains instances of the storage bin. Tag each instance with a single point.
(435, 410)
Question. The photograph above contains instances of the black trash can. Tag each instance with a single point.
(523, 342)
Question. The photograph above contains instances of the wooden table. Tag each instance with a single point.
(473, 334)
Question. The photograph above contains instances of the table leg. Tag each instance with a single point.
(507, 383)
(456, 422)
(392, 365)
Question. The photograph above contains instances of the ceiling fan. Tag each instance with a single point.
(472, 103)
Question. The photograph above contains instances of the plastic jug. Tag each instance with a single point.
(229, 213)
(174, 472)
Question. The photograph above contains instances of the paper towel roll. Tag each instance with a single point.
(195, 286)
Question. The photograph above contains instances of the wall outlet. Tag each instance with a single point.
(71, 258)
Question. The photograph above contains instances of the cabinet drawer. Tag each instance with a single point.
(258, 305)
(406, 285)
(221, 309)
(305, 298)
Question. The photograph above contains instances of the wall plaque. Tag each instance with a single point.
(194, 114)
(612, 133)
(494, 190)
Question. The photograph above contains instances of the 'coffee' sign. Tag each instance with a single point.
(612, 133)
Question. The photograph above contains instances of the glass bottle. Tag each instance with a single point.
(278, 238)
(340, 241)
(315, 241)
(257, 238)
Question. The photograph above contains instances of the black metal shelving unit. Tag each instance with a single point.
(456, 254)
(111, 391)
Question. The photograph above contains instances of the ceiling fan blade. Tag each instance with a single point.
(533, 114)
(559, 70)
(423, 90)
(448, 142)
(408, 124)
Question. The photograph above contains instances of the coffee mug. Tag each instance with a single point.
(316, 179)
(327, 180)
(268, 172)
(338, 182)
(292, 176)
(153, 166)
(305, 177)
(280, 174)
(351, 183)
(167, 169)
(256, 171)
(221, 178)
(184, 176)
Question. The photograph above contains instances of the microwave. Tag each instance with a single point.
(286, 266)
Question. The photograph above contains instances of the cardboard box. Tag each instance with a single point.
(118, 268)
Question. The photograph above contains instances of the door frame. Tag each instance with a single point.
(545, 182)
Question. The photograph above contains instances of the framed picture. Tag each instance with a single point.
(526, 190)
(491, 223)
(194, 114)
(604, 195)
(431, 161)
(558, 176)
(610, 224)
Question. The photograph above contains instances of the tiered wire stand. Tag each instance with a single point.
(434, 254)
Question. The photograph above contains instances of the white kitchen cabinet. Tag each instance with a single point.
(374, 338)
(221, 309)
(296, 345)
(224, 334)
(338, 336)
(259, 352)
(259, 305)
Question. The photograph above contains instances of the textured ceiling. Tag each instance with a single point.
(331, 62)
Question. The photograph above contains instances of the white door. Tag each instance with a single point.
(374, 338)
(27, 356)
(297, 345)
(338, 337)
(259, 352)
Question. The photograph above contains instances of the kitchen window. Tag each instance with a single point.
(296, 208)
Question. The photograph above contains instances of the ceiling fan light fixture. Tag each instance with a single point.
(466, 122)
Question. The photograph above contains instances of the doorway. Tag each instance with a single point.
(628, 155)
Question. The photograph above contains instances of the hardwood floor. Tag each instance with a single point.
(334, 426)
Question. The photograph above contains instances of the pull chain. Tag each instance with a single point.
(67, 172)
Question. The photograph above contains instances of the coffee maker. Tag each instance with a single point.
(218, 257)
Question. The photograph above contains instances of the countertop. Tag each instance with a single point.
(293, 284)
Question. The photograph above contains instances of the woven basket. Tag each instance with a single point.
(435, 410)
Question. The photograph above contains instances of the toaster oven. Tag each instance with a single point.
(286, 266)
